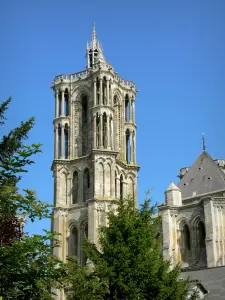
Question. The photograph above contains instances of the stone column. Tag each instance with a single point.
(94, 93)
(108, 132)
(107, 91)
(101, 91)
(210, 232)
(111, 94)
(134, 147)
(94, 131)
(56, 142)
(112, 134)
(56, 104)
(132, 111)
(62, 142)
(62, 103)
(131, 149)
(133, 119)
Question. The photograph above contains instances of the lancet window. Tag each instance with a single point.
(86, 185)
(60, 103)
(97, 130)
(75, 187)
(66, 102)
(98, 90)
(127, 108)
(73, 242)
(115, 184)
(104, 91)
(59, 141)
(84, 125)
(66, 141)
(104, 127)
(121, 186)
(128, 150)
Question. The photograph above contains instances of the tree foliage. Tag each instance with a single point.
(27, 267)
(129, 264)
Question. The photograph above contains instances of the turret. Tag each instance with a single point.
(173, 195)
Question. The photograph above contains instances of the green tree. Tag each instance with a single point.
(130, 264)
(27, 267)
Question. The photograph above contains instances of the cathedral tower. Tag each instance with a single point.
(95, 149)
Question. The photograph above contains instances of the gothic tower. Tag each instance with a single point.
(95, 149)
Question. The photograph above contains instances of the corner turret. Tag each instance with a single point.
(173, 195)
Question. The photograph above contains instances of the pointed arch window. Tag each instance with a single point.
(121, 186)
(66, 102)
(97, 130)
(127, 108)
(59, 141)
(84, 233)
(75, 187)
(104, 127)
(201, 232)
(128, 150)
(186, 236)
(60, 103)
(86, 185)
(104, 91)
(66, 141)
(73, 242)
(84, 125)
(115, 184)
(98, 90)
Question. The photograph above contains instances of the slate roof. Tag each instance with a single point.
(204, 176)
(213, 280)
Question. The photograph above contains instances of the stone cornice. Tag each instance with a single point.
(104, 152)
(128, 166)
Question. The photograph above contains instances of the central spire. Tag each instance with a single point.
(94, 51)
(94, 41)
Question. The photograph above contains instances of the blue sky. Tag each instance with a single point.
(173, 51)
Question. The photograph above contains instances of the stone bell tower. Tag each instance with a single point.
(95, 149)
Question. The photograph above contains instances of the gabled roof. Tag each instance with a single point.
(203, 177)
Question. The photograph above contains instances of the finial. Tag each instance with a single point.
(94, 38)
(203, 141)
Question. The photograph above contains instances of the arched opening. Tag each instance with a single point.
(66, 141)
(201, 248)
(187, 240)
(86, 185)
(59, 141)
(104, 135)
(98, 90)
(97, 130)
(128, 152)
(185, 245)
(127, 108)
(75, 187)
(104, 91)
(115, 184)
(121, 186)
(84, 125)
(73, 242)
(66, 102)
(60, 103)
(84, 231)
